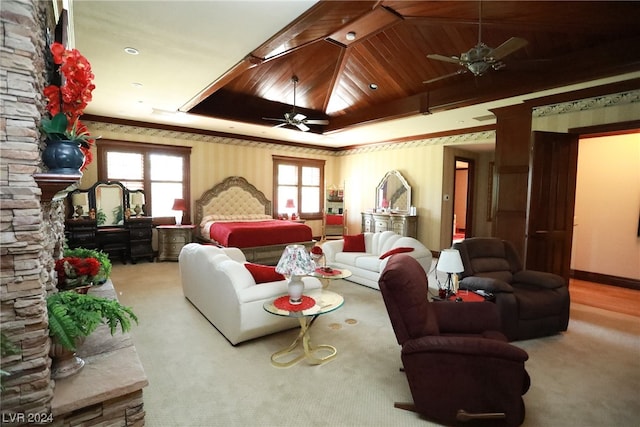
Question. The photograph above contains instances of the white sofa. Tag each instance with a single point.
(222, 289)
(367, 266)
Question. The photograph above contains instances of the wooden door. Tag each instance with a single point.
(552, 190)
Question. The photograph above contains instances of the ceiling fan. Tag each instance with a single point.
(298, 120)
(480, 58)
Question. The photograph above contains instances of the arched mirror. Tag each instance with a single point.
(109, 204)
(393, 193)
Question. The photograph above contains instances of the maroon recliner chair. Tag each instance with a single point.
(531, 303)
(461, 370)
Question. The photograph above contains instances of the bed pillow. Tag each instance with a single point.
(396, 251)
(354, 243)
(263, 273)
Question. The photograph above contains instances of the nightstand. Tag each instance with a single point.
(171, 239)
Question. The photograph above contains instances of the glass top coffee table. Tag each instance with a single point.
(314, 303)
(327, 274)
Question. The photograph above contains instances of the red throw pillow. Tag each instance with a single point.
(263, 273)
(396, 251)
(354, 243)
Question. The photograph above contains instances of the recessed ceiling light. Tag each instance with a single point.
(351, 35)
(373, 86)
(131, 50)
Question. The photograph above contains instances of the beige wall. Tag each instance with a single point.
(607, 205)
(421, 166)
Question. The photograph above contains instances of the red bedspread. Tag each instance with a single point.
(259, 233)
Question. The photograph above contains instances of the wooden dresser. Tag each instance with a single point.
(110, 217)
(402, 224)
(131, 242)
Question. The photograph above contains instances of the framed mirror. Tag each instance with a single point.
(109, 204)
(79, 204)
(393, 194)
(136, 202)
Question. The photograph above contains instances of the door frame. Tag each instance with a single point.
(470, 196)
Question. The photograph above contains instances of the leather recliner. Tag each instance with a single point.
(460, 369)
(531, 303)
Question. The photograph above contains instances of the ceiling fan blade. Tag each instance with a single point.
(506, 48)
(273, 119)
(446, 76)
(316, 122)
(299, 117)
(438, 57)
(302, 127)
(281, 125)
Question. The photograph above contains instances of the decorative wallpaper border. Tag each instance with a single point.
(151, 133)
(611, 100)
(616, 99)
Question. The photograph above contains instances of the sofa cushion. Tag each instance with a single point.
(349, 258)
(368, 262)
(354, 243)
(263, 273)
(394, 251)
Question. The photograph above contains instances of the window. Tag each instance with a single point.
(161, 171)
(300, 181)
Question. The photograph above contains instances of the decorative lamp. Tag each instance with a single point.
(450, 263)
(290, 205)
(295, 263)
(179, 206)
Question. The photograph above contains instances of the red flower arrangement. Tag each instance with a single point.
(67, 100)
(316, 250)
(74, 272)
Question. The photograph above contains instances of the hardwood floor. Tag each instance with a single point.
(612, 298)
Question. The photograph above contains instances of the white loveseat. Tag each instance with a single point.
(367, 266)
(217, 283)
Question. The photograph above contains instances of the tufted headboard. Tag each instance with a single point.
(233, 198)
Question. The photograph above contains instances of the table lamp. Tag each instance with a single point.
(291, 206)
(179, 206)
(295, 263)
(450, 263)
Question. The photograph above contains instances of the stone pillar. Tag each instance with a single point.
(31, 230)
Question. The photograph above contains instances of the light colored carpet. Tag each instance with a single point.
(588, 376)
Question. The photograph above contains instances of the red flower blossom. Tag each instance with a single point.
(70, 98)
(74, 272)
(316, 250)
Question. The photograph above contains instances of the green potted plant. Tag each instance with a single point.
(73, 317)
(103, 259)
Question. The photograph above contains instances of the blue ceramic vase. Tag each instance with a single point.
(63, 157)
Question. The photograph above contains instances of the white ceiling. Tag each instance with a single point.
(184, 46)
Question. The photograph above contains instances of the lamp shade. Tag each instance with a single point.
(290, 204)
(295, 261)
(450, 261)
(179, 205)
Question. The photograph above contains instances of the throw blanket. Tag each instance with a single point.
(259, 233)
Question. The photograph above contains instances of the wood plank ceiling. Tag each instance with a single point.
(568, 42)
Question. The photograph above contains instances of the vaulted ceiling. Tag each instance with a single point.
(568, 42)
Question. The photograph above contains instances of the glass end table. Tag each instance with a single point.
(323, 302)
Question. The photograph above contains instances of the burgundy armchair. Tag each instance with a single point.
(461, 370)
(531, 303)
